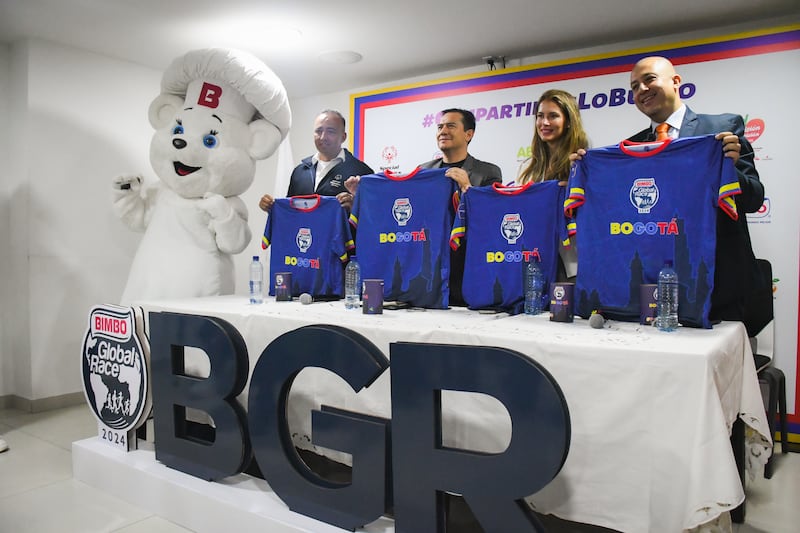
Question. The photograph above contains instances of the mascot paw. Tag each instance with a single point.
(216, 206)
(127, 183)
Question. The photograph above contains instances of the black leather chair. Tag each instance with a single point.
(759, 315)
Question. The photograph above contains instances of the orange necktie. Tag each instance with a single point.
(662, 132)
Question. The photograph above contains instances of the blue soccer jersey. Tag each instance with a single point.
(310, 238)
(403, 229)
(638, 204)
(501, 227)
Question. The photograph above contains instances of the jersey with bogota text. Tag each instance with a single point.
(639, 204)
(502, 227)
(403, 227)
(310, 238)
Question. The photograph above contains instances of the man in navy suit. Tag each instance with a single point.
(325, 172)
(655, 85)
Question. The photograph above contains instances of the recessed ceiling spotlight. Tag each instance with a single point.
(341, 57)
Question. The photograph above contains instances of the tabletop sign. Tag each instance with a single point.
(115, 371)
(398, 463)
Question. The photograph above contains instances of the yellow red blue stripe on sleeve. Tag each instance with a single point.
(455, 236)
(726, 200)
(575, 199)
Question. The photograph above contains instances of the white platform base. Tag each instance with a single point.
(239, 503)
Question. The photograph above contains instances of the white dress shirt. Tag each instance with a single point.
(674, 120)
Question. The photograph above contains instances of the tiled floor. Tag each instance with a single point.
(39, 495)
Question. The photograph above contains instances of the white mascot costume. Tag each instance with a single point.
(218, 112)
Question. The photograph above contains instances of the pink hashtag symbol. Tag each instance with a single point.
(427, 121)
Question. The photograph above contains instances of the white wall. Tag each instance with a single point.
(16, 301)
(76, 119)
(6, 368)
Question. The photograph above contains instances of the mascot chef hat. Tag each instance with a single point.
(231, 82)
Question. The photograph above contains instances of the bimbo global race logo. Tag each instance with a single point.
(644, 194)
(303, 239)
(511, 227)
(114, 368)
(402, 211)
(559, 292)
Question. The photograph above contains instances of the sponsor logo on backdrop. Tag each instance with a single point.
(753, 129)
(389, 158)
(523, 153)
(763, 215)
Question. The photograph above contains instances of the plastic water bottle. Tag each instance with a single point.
(352, 284)
(667, 300)
(256, 281)
(533, 286)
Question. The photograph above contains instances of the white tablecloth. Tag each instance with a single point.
(651, 412)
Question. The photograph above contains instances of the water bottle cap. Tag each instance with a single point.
(255, 258)
(668, 262)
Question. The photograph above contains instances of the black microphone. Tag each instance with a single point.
(597, 321)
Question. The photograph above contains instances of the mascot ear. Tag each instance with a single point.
(163, 109)
(266, 139)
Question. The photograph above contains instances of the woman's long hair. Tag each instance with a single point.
(542, 165)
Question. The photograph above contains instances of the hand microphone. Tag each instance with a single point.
(306, 298)
(596, 320)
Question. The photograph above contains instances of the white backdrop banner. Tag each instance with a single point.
(750, 74)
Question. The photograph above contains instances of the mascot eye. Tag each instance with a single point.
(177, 130)
(210, 140)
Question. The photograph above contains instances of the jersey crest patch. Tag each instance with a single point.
(644, 194)
(512, 227)
(401, 211)
(303, 239)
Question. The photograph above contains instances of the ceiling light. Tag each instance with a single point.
(340, 57)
